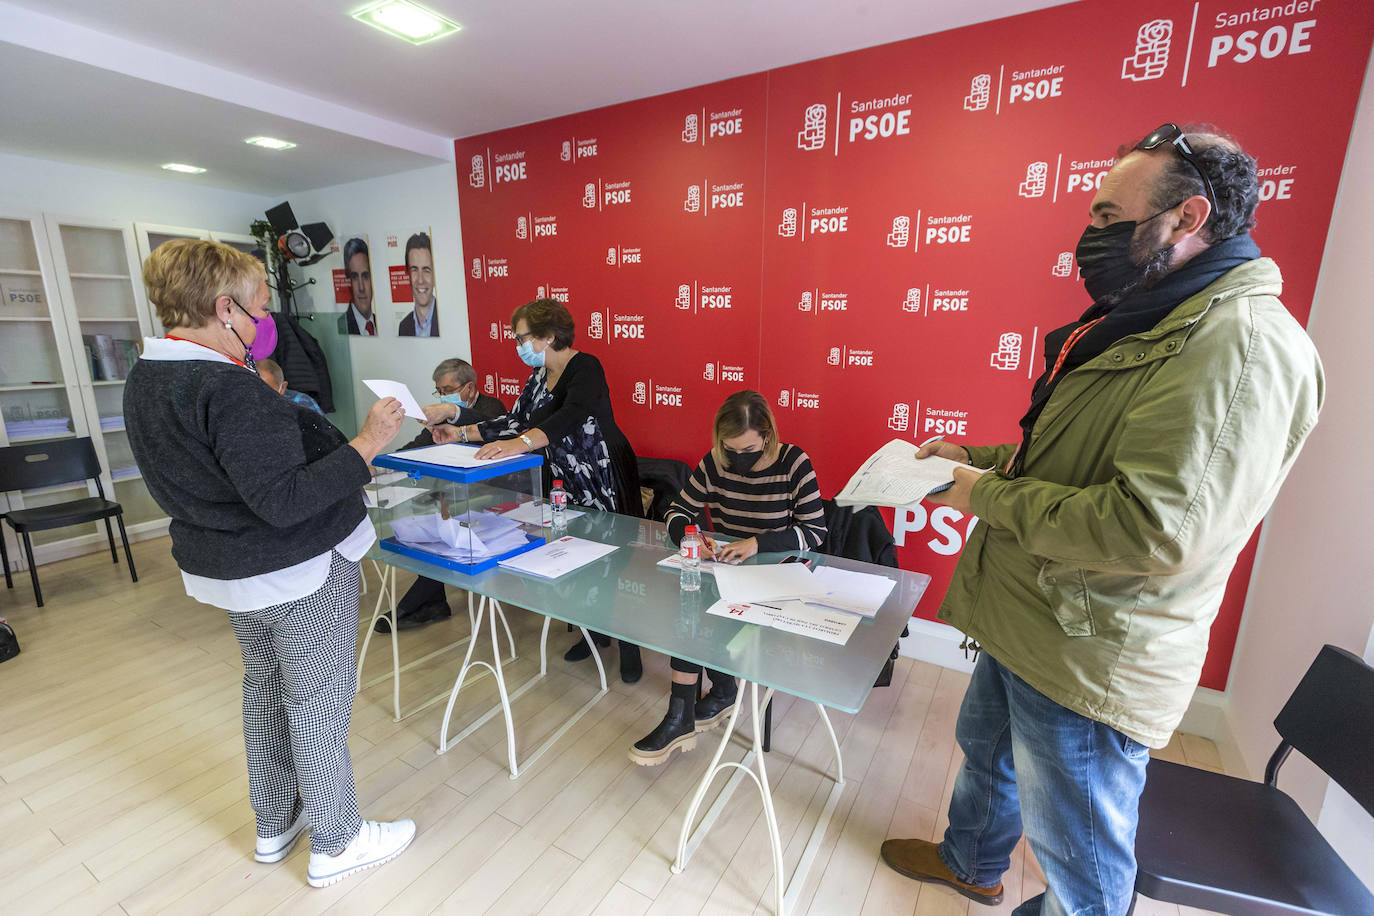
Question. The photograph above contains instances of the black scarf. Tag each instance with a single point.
(1138, 312)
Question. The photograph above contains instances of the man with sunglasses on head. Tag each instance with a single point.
(1165, 421)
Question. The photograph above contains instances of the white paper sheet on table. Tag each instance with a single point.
(386, 388)
(862, 593)
(770, 582)
(674, 562)
(821, 623)
(450, 454)
(559, 557)
(530, 514)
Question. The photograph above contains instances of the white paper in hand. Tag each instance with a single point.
(384, 388)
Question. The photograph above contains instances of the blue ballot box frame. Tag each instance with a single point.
(417, 469)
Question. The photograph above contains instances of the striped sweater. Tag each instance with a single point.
(779, 504)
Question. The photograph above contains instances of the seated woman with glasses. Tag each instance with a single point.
(749, 486)
(564, 409)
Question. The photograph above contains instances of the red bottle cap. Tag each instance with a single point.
(558, 483)
(691, 529)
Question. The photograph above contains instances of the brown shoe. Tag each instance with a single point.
(920, 859)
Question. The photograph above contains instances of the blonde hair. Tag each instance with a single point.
(184, 277)
(744, 411)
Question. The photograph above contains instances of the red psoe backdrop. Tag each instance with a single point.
(879, 240)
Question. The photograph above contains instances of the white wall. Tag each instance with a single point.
(76, 190)
(395, 204)
(1311, 580)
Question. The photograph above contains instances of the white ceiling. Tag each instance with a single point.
(139, 73)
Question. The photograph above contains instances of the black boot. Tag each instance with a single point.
(581, 650)
(677, 731)
(631, 668)
(425, 614)
(716, 705)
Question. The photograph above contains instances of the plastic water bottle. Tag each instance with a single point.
(558, 501)
(690, 551)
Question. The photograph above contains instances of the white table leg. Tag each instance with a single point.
(786, 893)
(504, 707)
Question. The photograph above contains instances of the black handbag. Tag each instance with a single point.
(9, 643)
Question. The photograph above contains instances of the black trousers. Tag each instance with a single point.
(718, 678)
(423, 592)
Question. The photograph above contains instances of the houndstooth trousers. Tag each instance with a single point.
(298, 686)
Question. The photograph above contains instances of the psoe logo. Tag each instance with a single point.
(804, 304)
(833, 358)
(478, 176)
(495, 333)
(611, 256)
(812, 135)
(489, 386)
(1151, 57)
(785, 398)
(589, 195)
(641, 393)
(596, 326)
(1007, 356)
(691, 129)
(788, 227)
(693, 202)
(684, 296)
(1034, 185)
(1063, 265)
(476, 268)
(900, 235)
(901, 417)
(912, 302)
(566, 153)
(979, 92)
(541, 292)
(522, 227)
(709, 373)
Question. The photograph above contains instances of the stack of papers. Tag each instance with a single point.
(558, 557)
(837, 589)
(894, 476)
(449, 455)
(477, 536)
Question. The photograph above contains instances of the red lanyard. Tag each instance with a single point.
(212, 350)
(1074, 338)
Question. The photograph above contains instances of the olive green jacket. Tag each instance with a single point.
(1095, 576)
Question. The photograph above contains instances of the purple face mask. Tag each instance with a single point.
(265, 341)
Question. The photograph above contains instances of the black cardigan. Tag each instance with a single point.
(252, 482)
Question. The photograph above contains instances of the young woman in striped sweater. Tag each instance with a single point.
(763, 492)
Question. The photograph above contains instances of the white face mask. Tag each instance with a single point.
(528, 355)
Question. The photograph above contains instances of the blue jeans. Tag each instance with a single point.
(1074, 782)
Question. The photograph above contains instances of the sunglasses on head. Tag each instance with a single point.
(1172, 134)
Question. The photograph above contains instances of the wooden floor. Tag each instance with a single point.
(123, 786)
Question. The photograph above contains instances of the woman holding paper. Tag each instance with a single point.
(268, 524)
(749, 486)
(564, 409)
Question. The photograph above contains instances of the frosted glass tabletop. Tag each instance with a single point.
(628, 596)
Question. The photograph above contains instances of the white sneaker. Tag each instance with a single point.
(276, 848)
(376, 843)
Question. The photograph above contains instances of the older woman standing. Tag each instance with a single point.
(267, 523)
(565, 409)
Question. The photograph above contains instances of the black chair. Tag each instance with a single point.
(665, 477)
(1235, 846)
(48, 464)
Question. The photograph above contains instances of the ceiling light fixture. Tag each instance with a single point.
(270, 142)
(183, 168)
(406, 20)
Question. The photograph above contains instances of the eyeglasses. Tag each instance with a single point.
(1172, 134)
(521, 338)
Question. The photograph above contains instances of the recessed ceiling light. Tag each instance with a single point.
(182, 167)
(270, 142)
(406, 20)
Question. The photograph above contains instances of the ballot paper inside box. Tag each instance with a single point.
(447, 506)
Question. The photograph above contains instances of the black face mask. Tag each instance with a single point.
(1105, 260)
(740, 462)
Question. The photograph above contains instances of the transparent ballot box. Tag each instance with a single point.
(440, 505)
